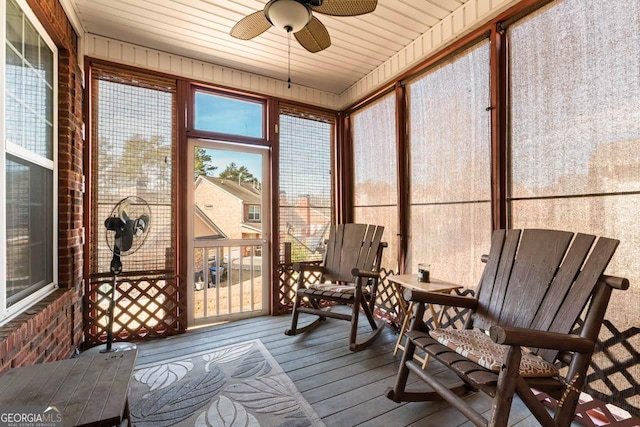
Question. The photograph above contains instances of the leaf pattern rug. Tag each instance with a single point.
(234, 386)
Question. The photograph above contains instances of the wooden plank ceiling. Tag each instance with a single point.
(200, 29)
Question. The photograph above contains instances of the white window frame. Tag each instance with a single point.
(6, 314)
(259, 213)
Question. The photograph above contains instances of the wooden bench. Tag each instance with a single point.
(88, 391)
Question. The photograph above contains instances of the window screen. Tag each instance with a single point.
(575, 137)
(450, 167)
(375, 172)
(133, 152)
(305, 191)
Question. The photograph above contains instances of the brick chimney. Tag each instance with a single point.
(304, 210)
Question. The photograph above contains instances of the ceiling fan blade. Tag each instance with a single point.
(314, 37)
(251, 26)
(346, 7)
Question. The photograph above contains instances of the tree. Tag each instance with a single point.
(145, 163)
(237, 174)
(202, 163)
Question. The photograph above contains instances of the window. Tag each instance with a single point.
(232, 116)
(254, 213)
(305, 182)
(28, 165)
(450, 167)
(375, 172)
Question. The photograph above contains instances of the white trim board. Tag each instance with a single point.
(130, 54)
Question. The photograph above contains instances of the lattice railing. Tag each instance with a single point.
(287, 285)
(614, 373)
(387, 301)
(454, 317)
(147, 306)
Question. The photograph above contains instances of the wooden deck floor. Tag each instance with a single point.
(345, 388)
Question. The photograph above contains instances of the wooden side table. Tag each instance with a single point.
(410, 281)
(87, 391)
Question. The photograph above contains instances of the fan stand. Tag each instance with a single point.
(116, 269)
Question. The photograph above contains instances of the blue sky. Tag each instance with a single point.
(222, 159)
(228, 115)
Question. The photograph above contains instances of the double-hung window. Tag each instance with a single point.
(28, 159)
(254, 213)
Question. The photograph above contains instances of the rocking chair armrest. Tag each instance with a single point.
(615, 282)
(303, 266)
(440, 299)
(364, 273)
(509, 335)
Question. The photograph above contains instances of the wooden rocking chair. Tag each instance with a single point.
(534, 286)
(349, 275)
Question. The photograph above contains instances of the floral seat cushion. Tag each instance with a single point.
(332, 287)
(476, 346)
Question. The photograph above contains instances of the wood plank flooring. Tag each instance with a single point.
(345, 388)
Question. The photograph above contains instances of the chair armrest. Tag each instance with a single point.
(615, 282)
(509, 335)
(440, 298)
(302, 266)
(364, 273)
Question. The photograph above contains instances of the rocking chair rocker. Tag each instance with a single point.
(349, 275)
(535, 285)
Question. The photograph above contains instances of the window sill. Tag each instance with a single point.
(27, 303)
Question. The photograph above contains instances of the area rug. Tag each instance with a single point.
(238, 385)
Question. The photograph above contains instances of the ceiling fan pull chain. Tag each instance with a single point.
(289, 54)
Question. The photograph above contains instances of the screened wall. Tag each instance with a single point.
(450, 167)
(575, 139)
(541, 127)
(305, 182)
(133, 126)
(375, 172)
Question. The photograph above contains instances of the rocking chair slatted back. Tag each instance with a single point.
(374, 253)
(484, 316)
(539, 279)
(351, 246)
(539, 256)
(563, 280)
(578, 295)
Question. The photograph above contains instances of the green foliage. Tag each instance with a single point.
(143, 162)
(235, 173)
(202, 163)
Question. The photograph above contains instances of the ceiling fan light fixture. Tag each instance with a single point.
(288, 15)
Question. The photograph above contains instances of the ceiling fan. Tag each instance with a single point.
(296, 16)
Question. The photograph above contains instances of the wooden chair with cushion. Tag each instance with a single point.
(349, 274)
(535, 285)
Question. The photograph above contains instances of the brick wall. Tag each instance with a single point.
(226, 210)
(52, 329)
(41, 334)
